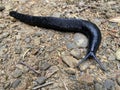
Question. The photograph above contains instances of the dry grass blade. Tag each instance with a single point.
(43, 85)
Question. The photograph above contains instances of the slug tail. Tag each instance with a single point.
(89, 55)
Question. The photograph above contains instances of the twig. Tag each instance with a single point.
(64, 84)
(84, 8)
(113, 34)
(31, 68)
(62, 80)
(25, 53)
(43, 85)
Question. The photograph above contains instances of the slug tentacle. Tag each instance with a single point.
(91, 55)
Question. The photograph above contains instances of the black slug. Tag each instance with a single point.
(67, 25)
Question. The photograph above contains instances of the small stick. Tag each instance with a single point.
(63, 81)
(43, 85)
(64, 84)
(25, 53)
(31, 68)
(83, 9)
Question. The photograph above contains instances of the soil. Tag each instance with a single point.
(31, 56)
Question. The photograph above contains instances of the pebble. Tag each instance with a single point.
(70, 61)
(118, 80)
(41, 80)
(75, 53)
(18, 50)
(70, 71)
(27, 39)
(98, 86)
(52, 70)
(4, 35)
(22, 67)
(117, 54)
(16, 83)
(84, 66)
(111, 57)
(3, 50)
(71, 45)
(18, 37)
(109, 84)
(37, 41)
(2, 26)
(56, 14)
(117, 87)
(17, 73)
(1, 88)
(39, 33)
(80, 40)
(44, 66)
(8, 7)
(97, 21)
(7, 85)
(86, 79)
(2, 8)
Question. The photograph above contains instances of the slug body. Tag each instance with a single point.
(67, 25)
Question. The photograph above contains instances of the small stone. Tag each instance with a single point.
(84, 66)
(111, 57)
(71, 45)
(109, 84)
(7, 85)
(117, 87)
(4, 35)
(8, 6)
(97, 21)
(92, 66)
(18, 50)
(37, 41)
(70, 71)
(75, 53)
(18, 37)
(23, 68)
(70, 61)
(118, 80)
(2, 26)
(86, 79)
(16, 83)
(44, 66)
(39, 33)
(3, 50)
(41, 80)
(98, 86)
(52, 70)
(80, 40)
(28, 40)
(2, 88)
(2, 8)
(56, 14)
(17, 73)
(117, 54)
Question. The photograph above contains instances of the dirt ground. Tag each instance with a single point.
(32, 58)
